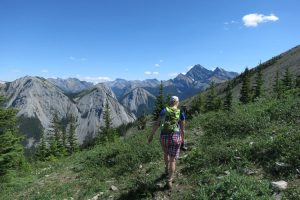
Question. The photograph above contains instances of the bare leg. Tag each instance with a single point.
(172, 167)
(166, 158)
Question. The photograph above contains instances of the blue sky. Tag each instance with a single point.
(98, 40)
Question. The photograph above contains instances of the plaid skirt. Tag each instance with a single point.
(171, 142)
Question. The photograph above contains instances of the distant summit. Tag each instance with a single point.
(199, 73)
(71, 85)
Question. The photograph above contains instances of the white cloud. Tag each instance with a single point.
(161, 61)
(253, 19)
(173, 74)
(156, 65)
(77, 59)
(231, 22)
(72, 58)
(151, 73)
(44, 70)
(94, 79)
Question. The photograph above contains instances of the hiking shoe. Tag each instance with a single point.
(184, 148)
(169, 185)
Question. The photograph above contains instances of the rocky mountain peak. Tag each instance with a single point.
(138, 101)
(198, 72)
(71, 85)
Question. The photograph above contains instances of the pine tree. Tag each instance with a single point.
(198, 104)
(159, 104)
(287, 80)
(42, 151)
(245, 91)
(64, 137)
(54, 151)
(258, 85)
(56, 131)
(277, 87)
(11, 150)
(228, 97)
(211, 98)
(72, 139)
(142, 121)
(298, 81)
(107, 132)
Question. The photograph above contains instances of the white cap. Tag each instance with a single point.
(174, 99)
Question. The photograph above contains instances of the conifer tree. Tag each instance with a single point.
(287, 80)
(56, 147)
(72, 139)
(277, 87)
(54, 151)
(107, 133)
(159, 104)
(211, 98)
(298, 81)
(142, 121)
(198, 103)
(11, 150)
(42, 151)
(258, 85)
(245, 94)
(64, 137)
(228, 97)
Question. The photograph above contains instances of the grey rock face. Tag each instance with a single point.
(194, 81)
(138, 101)
(37, 98)
(71, 85)
(91, 109)
(121, 87)
(199, 73)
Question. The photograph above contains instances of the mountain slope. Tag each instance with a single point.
(139, 101)
(287, 60)
(121, 86)
(199, 73)
(195, 80)
(91, 107)
(36, 100)
(232, 155)
(71, 85)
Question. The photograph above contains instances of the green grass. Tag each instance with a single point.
(232, 155)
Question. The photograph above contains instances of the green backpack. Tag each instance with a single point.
(169, 122)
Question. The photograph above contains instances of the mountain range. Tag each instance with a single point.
(37, 99)
(289, 60)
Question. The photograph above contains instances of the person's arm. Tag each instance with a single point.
(155, 127)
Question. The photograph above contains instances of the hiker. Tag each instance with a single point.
(172, 122)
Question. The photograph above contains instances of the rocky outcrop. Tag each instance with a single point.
(138, 101)
(91, 109)
(35, 97)
(36, 100)
(71, 85)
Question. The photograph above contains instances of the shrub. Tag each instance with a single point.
(235, 186)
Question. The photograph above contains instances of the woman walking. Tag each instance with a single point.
(172, 122)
